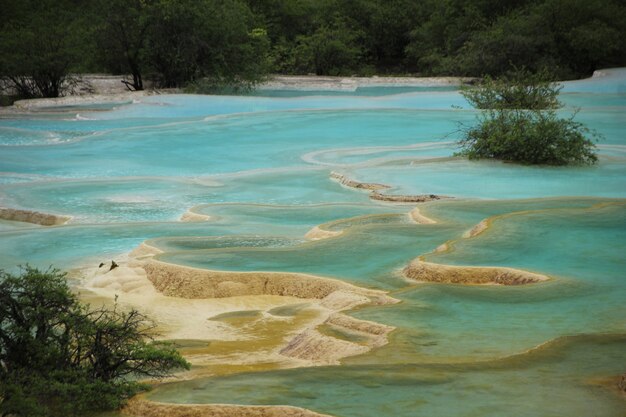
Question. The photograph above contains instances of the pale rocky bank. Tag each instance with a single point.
(104, 88)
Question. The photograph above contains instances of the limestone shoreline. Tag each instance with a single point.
(104, 88)
(328, 83)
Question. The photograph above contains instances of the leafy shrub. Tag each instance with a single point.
(529, 137)
(520, 124)
(331, 50)
(519, 89)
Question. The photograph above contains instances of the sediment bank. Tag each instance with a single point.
(34, 217)
(318, 233)
(144, 251)
(374, 188)
(186, 282)
(321, 349)
(191, 216)
(419, 218)
(478, 229)
(144, 408)
(450, 274)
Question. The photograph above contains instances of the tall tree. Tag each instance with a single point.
(122, 37)
(40, 42)
(332, 50)
(189, 40)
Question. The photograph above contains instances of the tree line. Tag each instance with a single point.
(209, 45)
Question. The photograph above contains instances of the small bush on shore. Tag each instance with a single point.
(60, 358)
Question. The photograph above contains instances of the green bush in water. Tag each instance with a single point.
(529, 137)
(519, 89)
(520, 124)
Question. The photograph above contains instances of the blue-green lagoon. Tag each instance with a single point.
(241, 186)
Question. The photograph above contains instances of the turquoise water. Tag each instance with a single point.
(259, 168)
(556, 381)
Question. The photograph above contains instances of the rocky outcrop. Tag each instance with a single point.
(144, 408)
(345, 300)
(419, 198)
(376, 195)
(362, 326)
(186, 282)
(429, 272)
(320, 349)
(622, 383)
(35, 217)
(343, 180)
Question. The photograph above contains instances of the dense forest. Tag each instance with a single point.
(208, 44)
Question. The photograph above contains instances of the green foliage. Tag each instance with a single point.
(520, 124)
(59, 358)
(529, 137)
(40, 42)
(214, 45)
(331, 50)
(573, 37)
(189, 40)
(519, 89)
(121, 37)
